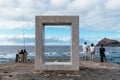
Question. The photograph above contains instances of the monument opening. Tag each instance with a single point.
(57, 44)
(41, 41)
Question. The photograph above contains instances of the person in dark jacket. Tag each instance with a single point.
(25, 55)
(102, 54)
(17, 59)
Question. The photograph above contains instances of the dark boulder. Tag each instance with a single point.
(108, 42)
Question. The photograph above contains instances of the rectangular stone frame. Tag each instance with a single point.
(57, 20)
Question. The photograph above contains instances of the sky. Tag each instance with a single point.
(98, 19)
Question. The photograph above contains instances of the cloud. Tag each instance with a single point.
(65, 39)
(89, 40)
(82, 40)
(100, 19)
(113, 4)
(17, 39)
(95, 15)
(58, 4)
(15, 13)
(58, 41)
(49, 40)
(15, 24)
(83, 5)
(30, 40)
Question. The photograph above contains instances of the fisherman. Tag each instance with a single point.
(25, 55)
(16, 60)
(17, 57)
(21, 56)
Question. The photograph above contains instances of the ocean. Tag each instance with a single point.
(8, 53)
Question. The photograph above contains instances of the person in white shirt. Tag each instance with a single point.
(85, 51)
(92, 52)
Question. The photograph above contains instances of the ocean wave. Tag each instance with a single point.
(112, 57)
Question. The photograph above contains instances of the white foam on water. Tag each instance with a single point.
(50, 53)
(66, 53)
(31, 54)
(6, 55)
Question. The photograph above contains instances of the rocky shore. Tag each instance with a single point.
(88, 71)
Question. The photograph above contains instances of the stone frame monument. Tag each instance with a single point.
(41, 21)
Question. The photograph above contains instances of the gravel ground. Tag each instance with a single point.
(88, 71)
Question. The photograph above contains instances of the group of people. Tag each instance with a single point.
(21, 56)
(92, 51)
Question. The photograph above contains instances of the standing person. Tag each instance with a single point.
(21, 54)
(85, 51)
(17, 59)
(92, 52)
(25, 55)
(102, 54)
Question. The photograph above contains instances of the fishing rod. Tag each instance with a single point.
(23, 38)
